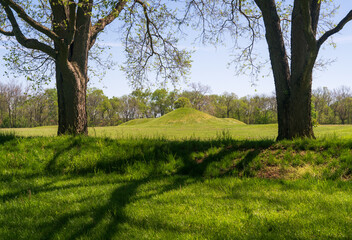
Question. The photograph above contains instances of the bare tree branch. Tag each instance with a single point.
(6, 33)
(145, 11)
(28, 43)
(36, 25)
(338, 28)
(103, 22)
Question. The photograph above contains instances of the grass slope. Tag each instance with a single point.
(135, 122)
(102, 188)
(190, 117)
(183, 117)
(185, 124)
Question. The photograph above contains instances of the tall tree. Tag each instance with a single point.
(12, 96)
(95, 106)
(322, 99)
(292, 72)
(64, 31)
(197, 95)
(342, 103)
(159, 102)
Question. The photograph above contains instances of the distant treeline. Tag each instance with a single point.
(20, 108)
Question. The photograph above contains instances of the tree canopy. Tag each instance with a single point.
(56, 37)
(294, 31)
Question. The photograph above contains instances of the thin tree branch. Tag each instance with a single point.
(6, 33)
(145, 10)
(36, 25)
(103, 22)
(338, 28)
(28, 43)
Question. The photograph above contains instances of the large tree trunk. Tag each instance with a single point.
(279, 63)
(300, 118)
(293, 86)
(71, 92)
(303, 56)
(72, 69)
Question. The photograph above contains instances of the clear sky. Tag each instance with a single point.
(210, 67)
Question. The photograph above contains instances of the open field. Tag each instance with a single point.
(185, 124)
(265, 131)
(211, 186)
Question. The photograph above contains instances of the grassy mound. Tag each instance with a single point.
(184, 117)
(135, 122)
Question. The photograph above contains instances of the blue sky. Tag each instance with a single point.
(210, 67)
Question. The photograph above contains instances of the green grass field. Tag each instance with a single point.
(186, 124)
(230, 181)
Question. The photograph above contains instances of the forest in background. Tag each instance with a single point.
(23, 107)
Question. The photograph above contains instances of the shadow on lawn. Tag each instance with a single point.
(109, 216)
(154, 157)
(5, 137)
(50, 167)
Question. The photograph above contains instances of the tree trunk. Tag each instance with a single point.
(300, 114)
(71, 92)
(303, 56)
(279, 63)
(293, 86)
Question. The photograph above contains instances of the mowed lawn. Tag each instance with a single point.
(187, 123)
(112, 206)
(263, 131)
(212, 179)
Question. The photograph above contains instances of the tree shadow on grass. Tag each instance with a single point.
(149, 155)
(154, 154)
(50, 167)
(112, 211)
(204, 167)
(6, 137)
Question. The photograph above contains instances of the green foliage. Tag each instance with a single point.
(314, 114)
(39, 108)
(27, 109)
(182, 102)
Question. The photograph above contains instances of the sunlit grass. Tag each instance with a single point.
(141, 183)
(111, 206)
(267, 131)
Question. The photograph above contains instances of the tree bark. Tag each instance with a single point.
(300, 118)
(72, 71)
(279, 63)
(303, 56)
(71, 92)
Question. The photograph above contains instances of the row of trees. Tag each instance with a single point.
(59, 36)
(63, 33)
(150, 104)
(22, 108)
